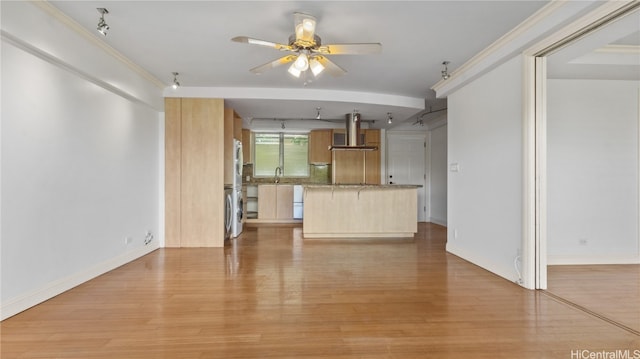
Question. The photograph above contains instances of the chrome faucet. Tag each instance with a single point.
(278, 174)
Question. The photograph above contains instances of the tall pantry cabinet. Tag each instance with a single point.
(194, 168)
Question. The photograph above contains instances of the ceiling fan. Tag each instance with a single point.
(308, 51)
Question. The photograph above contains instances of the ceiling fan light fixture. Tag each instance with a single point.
(302, 62)
(294, 71)
(305, 26)
(316, 66)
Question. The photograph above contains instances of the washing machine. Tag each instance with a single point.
(228, 212)
(238, 213)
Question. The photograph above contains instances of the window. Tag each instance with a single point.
(287, 151)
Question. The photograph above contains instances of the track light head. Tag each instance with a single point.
(102, 25)
(175, 84)
(445, 71)
(389, 118)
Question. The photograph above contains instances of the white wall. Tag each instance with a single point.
(438, 175)
(592, 171)
(80, 165)
(485, 195)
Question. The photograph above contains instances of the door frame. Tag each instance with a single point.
(534, 213)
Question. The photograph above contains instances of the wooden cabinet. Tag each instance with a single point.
(372, 158)
(348, 167)
(194, 164)
(275, 202)
(247, 144)
(355, 166)
(319, 142)
(237, 127)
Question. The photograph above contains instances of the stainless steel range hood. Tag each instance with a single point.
(353, 135)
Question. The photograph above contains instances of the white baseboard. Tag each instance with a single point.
(23, 302)
(599, 259)
(442, 222)
(484, 263)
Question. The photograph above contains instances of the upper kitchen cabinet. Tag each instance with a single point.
(319, 142)
(194, 164)
(246, 146)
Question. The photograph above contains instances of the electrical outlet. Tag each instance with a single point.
(455, 234)
(148, 238)
(128, 240)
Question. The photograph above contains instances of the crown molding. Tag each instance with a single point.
(536, 26)
(95, 40)
(619, 49)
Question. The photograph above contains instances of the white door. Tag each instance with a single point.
(406, 164)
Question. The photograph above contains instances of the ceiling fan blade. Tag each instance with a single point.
(252, 41)
(330, 67)
(275, 63)
(351, 49)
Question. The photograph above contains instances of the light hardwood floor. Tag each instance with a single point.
(275, 295)
(612, 291)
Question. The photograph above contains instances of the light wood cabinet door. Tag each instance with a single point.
(172, 157)
(275, 201)
(372, 158)
(246, 146)
(284, 201)
(202, 160)
(372, 171)
(372, 137)
(237, 127)
(267, 196)
(319, 142)
(348, 167)
(194, 163)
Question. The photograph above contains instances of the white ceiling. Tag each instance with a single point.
(193, 38)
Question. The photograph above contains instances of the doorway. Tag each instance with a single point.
(406, 164)
(587, 165)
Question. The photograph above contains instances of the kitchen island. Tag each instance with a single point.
(360, 211)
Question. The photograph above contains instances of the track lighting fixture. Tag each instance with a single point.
(445, 71)
(175, 84)
(282, 125)
(318, 114)
(389, 118)
(102, 25)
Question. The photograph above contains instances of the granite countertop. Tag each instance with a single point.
(361, 186)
